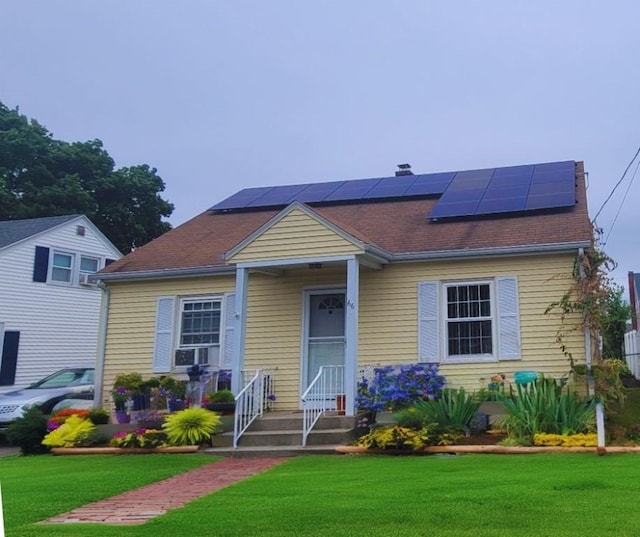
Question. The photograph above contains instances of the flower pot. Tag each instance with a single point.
(224, 408)
(122, 417)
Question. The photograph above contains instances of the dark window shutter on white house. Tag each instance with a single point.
(428, 324)
(9, 358)
(163, 346)
(229, 329)
(41, 264)
(508, 319)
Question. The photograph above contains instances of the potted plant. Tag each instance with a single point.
(174, 391)
(125, 386)
(221, 401)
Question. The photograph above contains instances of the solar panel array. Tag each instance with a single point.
(508, 190)
(467, 193)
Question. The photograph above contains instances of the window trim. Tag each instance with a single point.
(468, 358)
(72, 268)
(178, 331)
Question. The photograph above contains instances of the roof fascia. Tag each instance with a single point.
(285, 212)
(216, 270)
(494, 252)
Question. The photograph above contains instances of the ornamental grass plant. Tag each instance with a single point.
(546, 406)
(191, 426)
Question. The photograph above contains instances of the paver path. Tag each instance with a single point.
(139, 505)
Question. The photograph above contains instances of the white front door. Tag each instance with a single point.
(325, 341)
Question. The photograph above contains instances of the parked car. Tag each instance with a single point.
(72, 382)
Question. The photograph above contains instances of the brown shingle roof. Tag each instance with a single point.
(400, 227)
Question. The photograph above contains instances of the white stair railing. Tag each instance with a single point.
(321, 395)
(249, 405)
(257, 396)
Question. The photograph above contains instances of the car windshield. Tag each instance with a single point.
(64, 378)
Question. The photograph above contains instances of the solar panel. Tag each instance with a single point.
(515, 191)
(352, 190)
(514, 171)
(460, 208)
(390, 187)
(281, 195)
(318, 191)
(551, 188)
(242, 198)
(501, 205)
(550, 201)
(461, 195)
(430, 184)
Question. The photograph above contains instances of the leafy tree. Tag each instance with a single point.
(614, 319)
(41, 176)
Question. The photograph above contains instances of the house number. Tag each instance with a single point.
(351, 304)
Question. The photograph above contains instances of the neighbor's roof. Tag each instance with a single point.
(12, 231)
(398, 226)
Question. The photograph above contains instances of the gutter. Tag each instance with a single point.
(494, 251)
(164, 273)
(100, 351)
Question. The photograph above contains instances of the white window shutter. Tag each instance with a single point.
(229, 329)
(428, 324)
(163, 346)
(508, 319)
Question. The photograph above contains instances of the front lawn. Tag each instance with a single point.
(340, 496)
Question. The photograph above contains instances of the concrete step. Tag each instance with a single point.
(293, 422)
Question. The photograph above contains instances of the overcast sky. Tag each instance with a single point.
(223, 95)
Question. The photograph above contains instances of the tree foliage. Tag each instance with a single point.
(41, 176)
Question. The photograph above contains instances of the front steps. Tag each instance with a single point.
(280, 433)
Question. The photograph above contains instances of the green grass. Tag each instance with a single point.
(374, 496)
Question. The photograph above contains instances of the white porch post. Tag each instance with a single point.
(239, 331)
(351, 333)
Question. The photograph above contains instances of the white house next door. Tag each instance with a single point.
(325, 342)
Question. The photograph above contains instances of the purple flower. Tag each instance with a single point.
(271, 397)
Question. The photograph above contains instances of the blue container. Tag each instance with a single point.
(524, 377)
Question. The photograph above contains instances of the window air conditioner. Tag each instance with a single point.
(83, 279)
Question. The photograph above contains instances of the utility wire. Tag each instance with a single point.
(617, 185)
(622, 202)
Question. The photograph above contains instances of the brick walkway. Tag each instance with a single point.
(139, 505)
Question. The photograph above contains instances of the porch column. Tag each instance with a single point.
(351, 335)
(239, 330)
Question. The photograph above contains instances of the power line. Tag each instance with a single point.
(622, 202)
(617, 185)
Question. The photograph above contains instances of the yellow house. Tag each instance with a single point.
(324, 279)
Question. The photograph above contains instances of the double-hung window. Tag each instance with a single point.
(199, 338)
(88, 265)
(469, 321)
(62, 267)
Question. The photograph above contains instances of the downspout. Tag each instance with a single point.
(102, 343)
(590, 382)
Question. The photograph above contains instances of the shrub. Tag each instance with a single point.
(140, 438)
(28, 431)
(454, 408)
(394, 388)
(191, 426)
(566, 440)
(397, 437)
(61, 417)
(221, 396)
(412, 418)
(74, 432)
